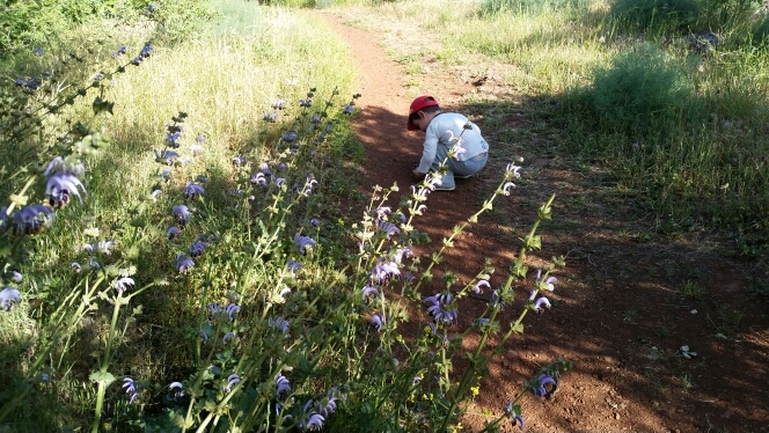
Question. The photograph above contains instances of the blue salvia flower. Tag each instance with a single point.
(369, 291)
(259, 179)
(227, 337)
(176, 391)
(349, 109)
(3, 218)
(196, 249)
(150, 9)
(183, 263)
(282, 384)
(315, 222)
(59, 188)
(439, 308)
(9, 296)
(173, 232)
(136, 61)
(146, 51)
(38, 52)
(289, 136)
(515, 415)
(130, 389)
(181, 213)
(193, 190)
(383, 271)
(305, 103)
(478, 287)
(16, 276)
(232, 380)
(124, 283)
(269, 117)
(378, 321)
(541, 303)
(231, 310)
(388, 228)
(293, 266)
(172, 139)
(312, 421)
(32, 219)
(279, 104)
(304, 242)
(278, 323)
(542, 381)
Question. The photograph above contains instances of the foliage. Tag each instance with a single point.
(229, 296)
(641, 92)
(656, 16)
(527, 7)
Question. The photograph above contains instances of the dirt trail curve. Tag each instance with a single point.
(619, 314)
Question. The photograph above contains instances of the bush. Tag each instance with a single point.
(531, 6)
(656, 16)
(639, 92)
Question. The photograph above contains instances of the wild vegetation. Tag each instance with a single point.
(184, 245)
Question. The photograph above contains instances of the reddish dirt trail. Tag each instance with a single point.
(617, 313)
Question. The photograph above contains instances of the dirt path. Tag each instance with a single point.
(621, 311)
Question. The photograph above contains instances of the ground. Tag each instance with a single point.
(628, 299)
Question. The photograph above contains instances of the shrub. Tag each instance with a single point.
(639, 92)
(656, 16)
(531, 6)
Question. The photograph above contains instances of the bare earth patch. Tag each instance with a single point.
(629, 298)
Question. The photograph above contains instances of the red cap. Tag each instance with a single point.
(419, 103)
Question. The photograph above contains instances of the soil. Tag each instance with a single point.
(629, 297)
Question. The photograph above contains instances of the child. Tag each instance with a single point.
(444, 132)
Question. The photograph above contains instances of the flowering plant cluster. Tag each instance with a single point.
(284, 320)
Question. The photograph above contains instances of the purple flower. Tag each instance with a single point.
(130, 389)
(196, 249)
(282, 384)
(304, 242)
(383, 271)
(193, 190)
(541, 303)
(32, 219)
(183, 263)
(9, 296)
(289, 136)
(16, 276)
(478, 288)
(124, 283)
(232, 380)
(305, 103)
(181, 213)
(543, 380)
(173, 232)
(440, 309)
(259, 179)
(59, 188)
(146, 51)
(369, 291)
(227, 336)
(548, 284)
(38, 52)
(389, 228)
(279, 104)
(313, 422)
(231, 310)
(176, 390)
(293, 266)
(278, 323)
(315, 222)
(378, 321)
(349, 109)
(269, 117)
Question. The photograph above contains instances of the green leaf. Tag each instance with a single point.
(102, 377)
